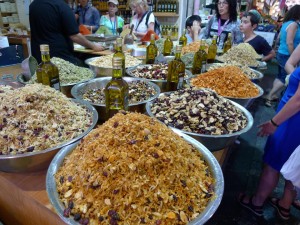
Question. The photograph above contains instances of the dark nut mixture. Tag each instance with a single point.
(153, 72)
(199, 111)
(139, 91)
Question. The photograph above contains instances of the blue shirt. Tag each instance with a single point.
(89, 15)
(283, 47)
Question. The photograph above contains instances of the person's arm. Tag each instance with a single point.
(291, 108)
(291, 31)
(293, 60)
(96, 19)
(237, 35)
(142, 34)
(269, 56)
(80, 39)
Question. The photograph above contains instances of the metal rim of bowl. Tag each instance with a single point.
(241, 108)
(260, 90)
(74, 89)
(94, 117)
(19, 79)
(130, 69)
(207, 155)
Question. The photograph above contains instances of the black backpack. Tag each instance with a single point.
(157, 29)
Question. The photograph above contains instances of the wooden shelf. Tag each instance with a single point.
(165, 14)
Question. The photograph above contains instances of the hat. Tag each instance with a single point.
(116, 2)
(255, 13)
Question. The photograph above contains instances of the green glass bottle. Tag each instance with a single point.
(212, 50)
(119, 54)
(176, 71)
(47, 73)
(151, 51)
(168, 45)
(116, 91)
(183, 39)
(228, 43)
(200, 58)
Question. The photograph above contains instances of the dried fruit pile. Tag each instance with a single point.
(134, 170)
(199, 111)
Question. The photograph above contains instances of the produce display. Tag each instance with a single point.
(134, 170)
(68, 72)
(106, 61)
(188, 59)
(199, 111)
(242, 53)
(193, 47)
(160, 46)
(152, 72)
(246, 70)
(37, 117)
(229, 81)
(139, 91)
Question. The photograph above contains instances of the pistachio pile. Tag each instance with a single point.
(198, 111)
(139, 91)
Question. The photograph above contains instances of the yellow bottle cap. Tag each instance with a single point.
(44, 48)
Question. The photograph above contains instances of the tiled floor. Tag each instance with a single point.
(243, 169)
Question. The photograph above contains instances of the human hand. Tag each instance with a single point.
(266, 129)
(98, 47)
(196, 28)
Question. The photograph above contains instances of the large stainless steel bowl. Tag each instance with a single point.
(213, 142)
(35, 161)
(214, 167)
(99, 83)
(161, 83)
(65, 89)
(246, 102)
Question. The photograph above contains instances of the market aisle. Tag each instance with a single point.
(243, 169)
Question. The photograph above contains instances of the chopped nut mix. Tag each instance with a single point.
(199, 111)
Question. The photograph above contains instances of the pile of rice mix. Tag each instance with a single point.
(134, 170)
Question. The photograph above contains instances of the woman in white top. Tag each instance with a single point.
(140, 8)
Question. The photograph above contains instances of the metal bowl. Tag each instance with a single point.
(245, 102)
(29, 162)
(65, 89)
(97, 83)
(213, 142)
(162, 84)
(213, 164)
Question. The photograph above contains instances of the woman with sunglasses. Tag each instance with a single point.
(224, 22)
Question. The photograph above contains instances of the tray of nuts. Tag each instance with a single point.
(156, 73)
(140, 92)
(211, 119)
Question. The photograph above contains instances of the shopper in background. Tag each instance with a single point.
(88, 16)
(52, 22)
(284, 132)
(110, 22)
(224, 22)
(289, 39)
(249, 22)
(193, 27)
(140, 8)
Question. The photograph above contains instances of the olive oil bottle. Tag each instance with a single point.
(119, 53)
(116, 91)
(183, 39)
(228, 43)
(176, 71)
(168, 44)
(212, 50)
(200, 58)
(47, 73)
(151, 51)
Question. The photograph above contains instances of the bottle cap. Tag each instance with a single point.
(119, 41)
(117, 62)
(44, 48)
(152, 36)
